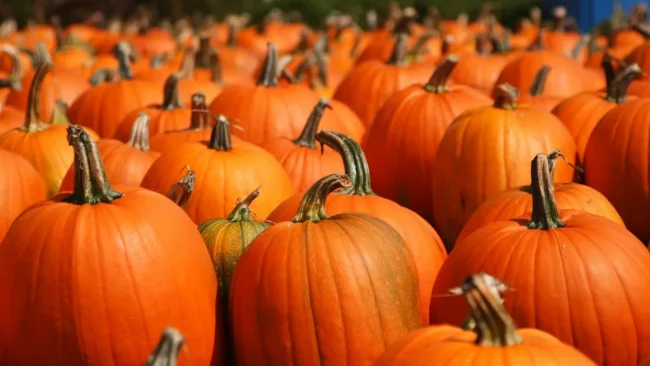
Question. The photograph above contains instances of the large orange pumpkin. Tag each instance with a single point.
(561, 264)
(226, 169)
(494, 339)
(333, 289)
(406, 133)
(103, 263)
(485, 151)
(420, 237)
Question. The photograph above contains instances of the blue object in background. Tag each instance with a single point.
(588, 13)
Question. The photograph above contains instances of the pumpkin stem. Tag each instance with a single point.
(60, 113)
(33, 115)
(171, 98)
(483, 43)
(610, 73)
(13, 81)
(90, 183)
(232, 33)
(181, 191)
(354, 161)
(505, 97)
(242, 212)
(41, 55)
(216, 68)
(303, 44)
(157, 61)
(140, 133)
(308, 136)
(167, 350)
(354, 50)
(398, 57)
(545, 213)
(123, 53)
(270, 70)
(101, 76)
(204, 53)
(186, 70)
(220, 138)
(200, 117)
(321, 46)
(538, 85)
(492, 323)
(418, 47)
(438, 81)
(617, 92)
(642, 29)
(539, 41)
(312, 206)
(582, 43)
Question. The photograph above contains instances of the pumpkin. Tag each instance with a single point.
(10, 118)
(217, 162)
(581, 112)
(44, 145)
(207, 67)
(406, 133)
(616, 159)
(104, 106)
(420, 237)
(124, 163)
(640, 53)
(171, 115)
(561, 263)
(198, 130)
(536, 96)
(370, 84)
(20, 187)
(467, 172)
(495, 339)
(103, 259)
(480, 70)
(330, 289)
(10, 81)
(303, 162)
(515, 202)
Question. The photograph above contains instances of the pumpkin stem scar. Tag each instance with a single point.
(505, 96)
(90, 183)
(398, 57)
(171, 98)
(220, 138)
(438, 81)
(354, 162)
(493, 326)
(33, 116)
(13, 80)
(140, 133)
(308, 136)
(539, 83)
(618, 90)
(168, 349)
(270, 72)
(242, 211)
(545, 213)
(312, 206)
(122, 52)
(181, 191)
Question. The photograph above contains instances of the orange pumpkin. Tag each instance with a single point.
(536, 96)
(560, 261)
(508, 133)
(10, 118)
(216, 162)
(104, 259)
(479, 70)
(314, 281)
(10, 81)
(494, 339)
(406, 133)
(421, 239)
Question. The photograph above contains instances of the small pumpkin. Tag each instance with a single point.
(314, 280)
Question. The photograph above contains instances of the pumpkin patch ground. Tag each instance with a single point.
(323, 183)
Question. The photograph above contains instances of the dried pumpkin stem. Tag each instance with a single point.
(354, 161)
(123, 54)
(242, 212)
(167, 350)
(90, 183)
(494, 327)
(216, 68)
(33, 115)
(232, 33)
(398, 57)
(505, 97)
(420, 43)
(321, 46)
(140, 133)
(200, 118)
(171, 97)
(220, 139)
(607, 64)
(204, 53)
(438, 81)
(582, 43)
(618, 89)
(41, 55)
(539, 83)
(60, 113)
(181, 191)
(270, 70)
(545, 213)
(186, 70)
(13, 81)
(312, 206)
(102, 76)
(483, 44)
(308, 136)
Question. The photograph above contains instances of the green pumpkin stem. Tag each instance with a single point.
(545, 213)
(438, 81)
(493, 326)
(539, 83)
(60, 113)
(312, 206)
(33, 115)
(400, 50)
(505, 97)
(354, 162)
(242, 212)
(13, 80)
(168, 349)
(308, 136)
(270, 71)
(90, 183)
(122, 52)
(220, 138)
(200, 118)
(140, 133)
(181, 191)
(171, 97)
(617, 91)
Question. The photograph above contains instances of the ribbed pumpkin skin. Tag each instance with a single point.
(20, 187)
(586, 283)
(616, 163)
(333, 292)
(516, 202)
(446, 345)
(98, 284)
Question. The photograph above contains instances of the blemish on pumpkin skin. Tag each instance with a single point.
(589, 201)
